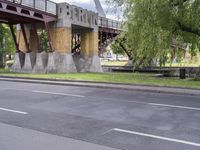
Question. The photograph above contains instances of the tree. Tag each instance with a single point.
(151, 25)
(119, 46)
(6, 43)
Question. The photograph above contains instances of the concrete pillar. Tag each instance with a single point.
(41, 62)
(89, 43)
(41, 58)
(29, 62)
(18, 62)
(51, 67)
(89, 61)
(30, 58)
(61, 43)
(61, 39)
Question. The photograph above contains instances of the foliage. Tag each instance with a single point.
(6, 43)
(117, 49)
(43, 40)
(151, 26)
(120, 46)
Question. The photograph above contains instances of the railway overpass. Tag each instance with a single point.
(75, 36)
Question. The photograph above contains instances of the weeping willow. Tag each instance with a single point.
(151, 26)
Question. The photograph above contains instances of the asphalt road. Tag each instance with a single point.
(49, 117)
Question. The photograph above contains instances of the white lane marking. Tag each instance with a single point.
(81, 96)
(174, 106)
(53, 93)
(158, 137)
(13, 111)
(165, 105)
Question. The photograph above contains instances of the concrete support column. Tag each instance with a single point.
(89, 61)
(30, 56)
(61, 43)
(89, 43)
(40, 58)
(20, 60)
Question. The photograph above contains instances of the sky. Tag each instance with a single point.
(90, 5)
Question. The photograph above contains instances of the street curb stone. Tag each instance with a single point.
(130, 87)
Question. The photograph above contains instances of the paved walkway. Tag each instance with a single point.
(17, 138)
(146, 88)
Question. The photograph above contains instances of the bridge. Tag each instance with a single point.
(75, 36)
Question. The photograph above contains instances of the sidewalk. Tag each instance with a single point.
(131, 87)
(17, 138)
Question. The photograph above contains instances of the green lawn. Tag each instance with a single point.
(130, 78)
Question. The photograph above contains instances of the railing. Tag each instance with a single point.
(108, 23)
(43, 5)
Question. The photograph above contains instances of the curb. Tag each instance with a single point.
(96, 82)
(116, 86)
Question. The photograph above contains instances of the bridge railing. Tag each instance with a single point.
(43, 5)
(108, 23)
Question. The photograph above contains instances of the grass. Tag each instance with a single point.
(127, 78)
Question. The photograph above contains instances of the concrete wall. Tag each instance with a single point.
(89, 43)
(61, 39)
(72, 15)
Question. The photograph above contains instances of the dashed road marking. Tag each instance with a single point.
(13, 111)
(62, 94)
(157, 137)
(175, 106)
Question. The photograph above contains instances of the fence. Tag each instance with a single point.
(43, 5)
(108, 23)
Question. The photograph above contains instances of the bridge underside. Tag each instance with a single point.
(106, 37)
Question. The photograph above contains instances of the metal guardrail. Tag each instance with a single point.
(108, 23)
(43, 5)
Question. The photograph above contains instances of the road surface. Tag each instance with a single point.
(50, 117)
